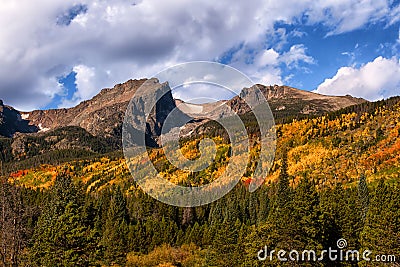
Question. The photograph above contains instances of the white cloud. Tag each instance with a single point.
(117, 41)
(375, 80)
(84, 81)
(85, 85)
(270, 76)
(266, 68)
(394, 15)
(267, 57)
(343, 15)
(295, 55)
(262, 67)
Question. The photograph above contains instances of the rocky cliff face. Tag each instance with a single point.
(101, 115)
(11, 122)
(286, 101)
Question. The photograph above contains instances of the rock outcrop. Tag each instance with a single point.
(11, 122)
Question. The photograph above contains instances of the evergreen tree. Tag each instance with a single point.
(216, 213)
(381, 233)
(282, 214)
(115, 230)
(341, 217)
(13, 228)
(283, 194)
(264, 208)
(363, 196)
(256, 240)
(225, 245)
(305, 229)
(253, 208)
(61, 238)
(195, 235)
(138, 238)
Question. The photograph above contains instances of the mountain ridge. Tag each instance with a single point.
(103, 114)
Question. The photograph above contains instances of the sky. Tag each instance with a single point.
(56, 54)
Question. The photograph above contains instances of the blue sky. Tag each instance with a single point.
(353, 48)
(58, 53)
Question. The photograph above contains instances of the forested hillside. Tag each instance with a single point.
(334, 177)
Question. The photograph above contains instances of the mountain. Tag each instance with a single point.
(103, 114)
(101, 117)
(284, 101)
(93, 125)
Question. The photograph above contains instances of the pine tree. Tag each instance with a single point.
(256, 239)
(283, 194)
(216, 215)
(115, 230)
(253, 208)
(341, 216)
(264, 208)
(137, 238)
(381, 233)
(225, 245)
(305, 228)
(281, 217)
(363, 196)
(61, 238)
(195, 235)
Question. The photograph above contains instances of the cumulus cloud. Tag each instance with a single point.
(267, 57)
(375, 80)
(107, 42)
(269, 76)
(295, 55)
(266, 68)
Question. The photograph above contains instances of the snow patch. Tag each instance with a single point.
(25, 116)
(42, 129)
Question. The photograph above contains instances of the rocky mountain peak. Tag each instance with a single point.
(103, 114)
(285, 100)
